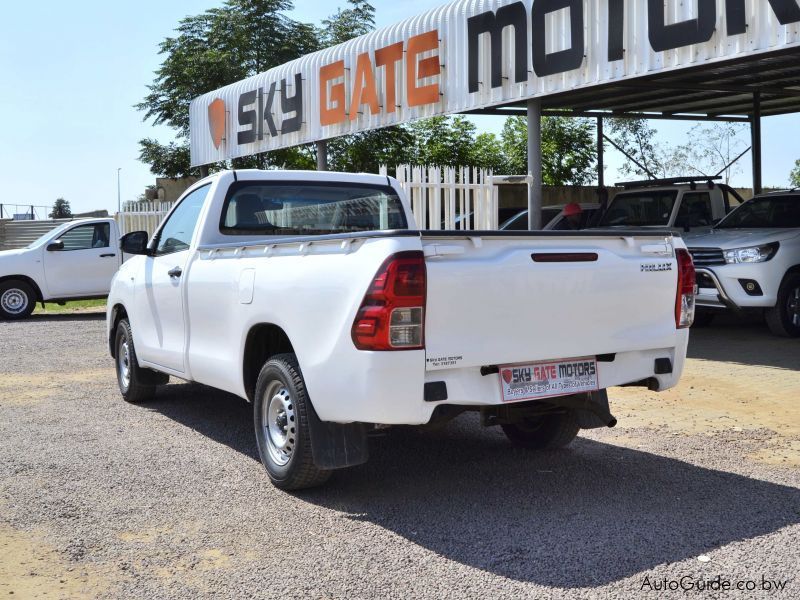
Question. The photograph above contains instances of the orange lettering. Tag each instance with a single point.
(389, 57)
(330, 114)
(364, 90)
(427, 67)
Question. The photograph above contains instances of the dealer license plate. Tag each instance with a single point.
(548, 379)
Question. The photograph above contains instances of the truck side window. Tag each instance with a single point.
(176, 233)
(695, 210)
(85, 237)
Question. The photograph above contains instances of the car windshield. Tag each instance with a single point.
(763, 213)
(49, 234)
(300, 208)
(640, 209)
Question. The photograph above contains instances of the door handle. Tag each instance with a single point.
(107, 255)
(175, 272)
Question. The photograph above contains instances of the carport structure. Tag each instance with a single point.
(741, 90)
(727, 60)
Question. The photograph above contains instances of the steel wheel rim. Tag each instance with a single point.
(124, 362)
(14, 301)
(793, 306)
(278, 422)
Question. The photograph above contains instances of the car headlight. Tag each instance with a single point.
(753, 254)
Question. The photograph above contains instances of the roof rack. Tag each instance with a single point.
(667, 181)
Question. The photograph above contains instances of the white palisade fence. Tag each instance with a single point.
(460, 198)
(142, 216)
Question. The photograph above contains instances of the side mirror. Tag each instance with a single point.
(55, 246)
(135, 242)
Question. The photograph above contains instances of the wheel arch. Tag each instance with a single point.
(30, 281)
(118, 313)
(263, 341)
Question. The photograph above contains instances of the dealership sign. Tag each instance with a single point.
(474, 54)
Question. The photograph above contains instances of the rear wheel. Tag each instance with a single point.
(280, 415)
(17, 299)
(784, 318)
(132, 379)
(545, 432)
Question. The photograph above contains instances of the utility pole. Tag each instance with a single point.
(119, 195)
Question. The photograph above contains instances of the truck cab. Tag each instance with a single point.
(683, 204)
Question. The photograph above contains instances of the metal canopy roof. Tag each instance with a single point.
(723, 90)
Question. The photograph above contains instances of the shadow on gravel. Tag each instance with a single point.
(582, 517)
(64, 317)
(744, 340)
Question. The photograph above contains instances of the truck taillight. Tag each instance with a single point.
(687, 287)
(392, 314)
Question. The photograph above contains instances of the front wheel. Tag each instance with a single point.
(280, 415)
(546, 432)
(784, 318)
(132, 379)
(17, 299)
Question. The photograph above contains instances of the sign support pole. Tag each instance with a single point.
(535, 164)
(755, 133)
(322, 155)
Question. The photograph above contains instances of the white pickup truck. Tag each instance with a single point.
(74, 261)
(751, 260)
(684, 204)
(313, 296)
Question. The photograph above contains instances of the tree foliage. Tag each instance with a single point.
(569, 152)
(213, 49)
(636, 138)
(61, 209)
(794, 176)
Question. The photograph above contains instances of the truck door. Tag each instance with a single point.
(84, 264)
(160, 323)
(695, 212)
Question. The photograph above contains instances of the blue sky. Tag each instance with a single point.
(71, 73)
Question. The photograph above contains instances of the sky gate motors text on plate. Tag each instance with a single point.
(414, 66)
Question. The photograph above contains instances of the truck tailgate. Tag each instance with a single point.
(500, 299)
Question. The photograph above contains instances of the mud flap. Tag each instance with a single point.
(336, 445)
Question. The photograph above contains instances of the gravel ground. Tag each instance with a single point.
(168, 500)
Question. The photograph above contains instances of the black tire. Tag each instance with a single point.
(280, 416)
(132, 379)
(547, 432)
(784, 318)
(17, 299)
(703, 318)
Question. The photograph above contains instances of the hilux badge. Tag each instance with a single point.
(650, 267)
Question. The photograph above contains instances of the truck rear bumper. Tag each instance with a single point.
(384, 393)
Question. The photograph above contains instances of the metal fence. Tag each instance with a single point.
(142, 216)
(449, 197)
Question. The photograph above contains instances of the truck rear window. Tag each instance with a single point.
(302, 208)
(639, 209)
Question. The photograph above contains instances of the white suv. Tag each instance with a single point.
(751, 259)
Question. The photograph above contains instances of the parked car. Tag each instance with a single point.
(685, 204)
(74, 261)
(751, 259)
(553, 218)
(313, 296)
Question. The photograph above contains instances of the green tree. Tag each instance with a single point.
(365, 152)
(61, 209)
(348, 23)
(443, 141)
(637, 140)
(211, 50)
(794, 176)
(569, 152)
